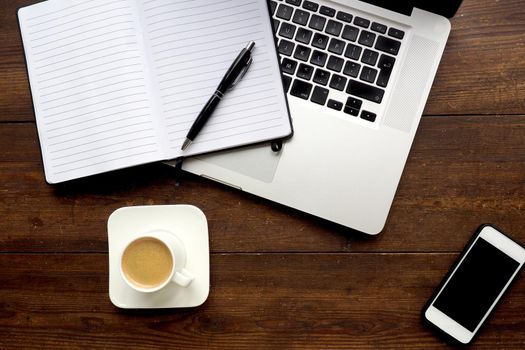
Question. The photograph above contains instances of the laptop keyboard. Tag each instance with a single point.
(323, 50)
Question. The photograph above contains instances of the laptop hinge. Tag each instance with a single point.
(403, 7)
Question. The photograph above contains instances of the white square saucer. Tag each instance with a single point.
(190, 226)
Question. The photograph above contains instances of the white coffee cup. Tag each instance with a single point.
(155, 245)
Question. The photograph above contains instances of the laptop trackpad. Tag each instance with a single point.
(257, 161)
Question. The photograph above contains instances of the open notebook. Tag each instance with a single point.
(117, 83)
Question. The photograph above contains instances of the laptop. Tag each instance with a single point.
(357, 76)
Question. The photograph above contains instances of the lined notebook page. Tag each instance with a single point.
(86, 68)
(191, 44)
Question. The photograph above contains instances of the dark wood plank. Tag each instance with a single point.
(482, 69)
(305, 301)
(481, 72)
(15, 98)
(461, 172)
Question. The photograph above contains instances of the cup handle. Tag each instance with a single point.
(183, 277)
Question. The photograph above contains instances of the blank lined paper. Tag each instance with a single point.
(192, 44)
(88, 84)
(117, 83)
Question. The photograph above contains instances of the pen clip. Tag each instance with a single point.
(241, 75)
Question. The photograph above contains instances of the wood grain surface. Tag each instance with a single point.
(279, 278)
(333, 301)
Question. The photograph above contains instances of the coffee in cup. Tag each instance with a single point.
(148, 263)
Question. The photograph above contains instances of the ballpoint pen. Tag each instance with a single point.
(233, 75)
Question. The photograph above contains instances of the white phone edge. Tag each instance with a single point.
(450, 326)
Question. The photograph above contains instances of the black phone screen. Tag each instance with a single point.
(475, 284)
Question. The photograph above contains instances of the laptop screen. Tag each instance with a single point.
(445, 8)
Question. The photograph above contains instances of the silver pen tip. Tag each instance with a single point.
(185, 145)
(250, 45)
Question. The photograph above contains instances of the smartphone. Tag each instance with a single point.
(474, 284)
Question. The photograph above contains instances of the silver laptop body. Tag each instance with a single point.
(339, 165)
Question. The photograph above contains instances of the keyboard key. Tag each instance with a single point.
(369, 57)
(284, 11)
(317, 22)
(301, 17)
(305, 71)
(336, 46)
(350, 33)
(343, 16)
(273, 6)
(321, 76)
(320, 40)
(286, 82)
(368, 74)
(353, 51)
(334, 27)
(275, 25)
(396, 33)
(351, 111)
(382, 79)
(352, 69)
(334, 105)
(302, 53)
(327, 11)
(378, 27)
(385, 65)
(361, 22)
(288, 66)
(338, 82)
(366, 115)
(388, 45)
(318, 58)
(386, 62)
(286, 47)
(303, 35)
(294, 2)
(335, 63)
(365, 91)
(301, 89)
(367, 38)
(319, 95)
(287, 30)
(353, 102)
(310, 6)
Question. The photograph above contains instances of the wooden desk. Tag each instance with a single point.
(279, 278)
